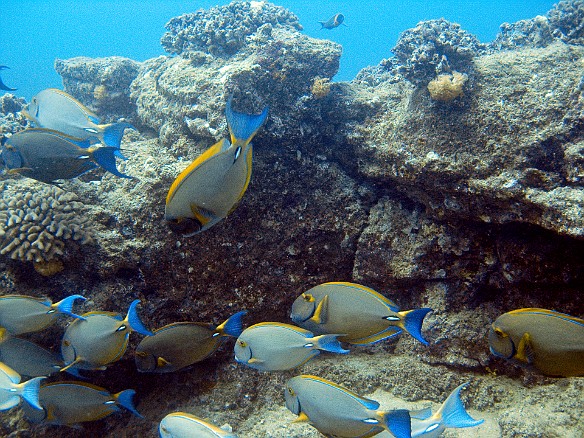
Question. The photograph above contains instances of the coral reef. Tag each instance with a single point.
(102, 84)
(567, 21)
(11, 120)
(35, 225)
(321, 87)
(434, 47)
(447, 87)
(222, 30)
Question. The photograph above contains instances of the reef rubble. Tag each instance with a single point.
(472, 206)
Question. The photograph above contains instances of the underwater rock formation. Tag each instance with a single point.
(102, 84)
(11, 119)
(222, 30)
(35, 226)
(434, 47)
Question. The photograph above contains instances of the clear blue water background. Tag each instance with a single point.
(33, 33)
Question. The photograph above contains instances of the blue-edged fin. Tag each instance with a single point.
(126, 399)
(233, 326)
(329, 343)
(66, 305)
(134, 320)
(452, 412)
(398, 422)
(106, 158)
(30, 392)
(112, 134)
(242, 127)
(412, 321)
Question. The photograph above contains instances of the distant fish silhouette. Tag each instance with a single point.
(335, 21)
(3, 86)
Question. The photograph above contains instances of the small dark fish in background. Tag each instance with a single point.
(3, 86)
(335, 21)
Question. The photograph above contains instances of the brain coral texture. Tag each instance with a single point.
(34, 226)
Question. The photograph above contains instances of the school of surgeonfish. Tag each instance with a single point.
(65, 142)
(69, 140)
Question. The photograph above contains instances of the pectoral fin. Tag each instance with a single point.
(162, 362)
(321, 313)
(302, 418)
(525, 351)
(254, 360)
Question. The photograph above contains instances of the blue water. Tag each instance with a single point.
(35, 32)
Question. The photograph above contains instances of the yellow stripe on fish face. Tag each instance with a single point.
(213, 150)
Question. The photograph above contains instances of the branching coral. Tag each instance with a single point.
(34, 226)
(447, 87)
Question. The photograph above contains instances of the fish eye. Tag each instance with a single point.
(500, 333)
(141, 354)
(242, 344)
(308, 298)
(66, 343)
(291, 391)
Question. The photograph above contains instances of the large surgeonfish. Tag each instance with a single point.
(3, 86)
(23, 314)
(335, 21)
(211, 187)
(548, 341)
(100, 338)
(183, 425)
(450, 415)
(181, 344)
(47, 155)
(75, 402)
(26, 357)
(364, 315)
(11, 390)
(55, 109)
(273, 346)
(336, 411)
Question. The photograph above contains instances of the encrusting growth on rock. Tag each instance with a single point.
(447, 87)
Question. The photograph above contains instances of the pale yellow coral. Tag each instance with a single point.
(99, 92)
(321, 87)
(49, 267)
(447, 87)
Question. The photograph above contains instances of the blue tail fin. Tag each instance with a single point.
(105, 157)
(30, 392)
(412, 322)
(243, 127)
(453, 413)
(135, 321)
(66, 304)
(234, 325)
(398, 423)
(330, 343)
(126, 399)
(113, 133)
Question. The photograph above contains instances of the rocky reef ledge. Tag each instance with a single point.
(469, 200)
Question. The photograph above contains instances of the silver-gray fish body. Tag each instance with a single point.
(48, 156)
(23, 314)
(27, 358)
(272, 346)
(183, 425)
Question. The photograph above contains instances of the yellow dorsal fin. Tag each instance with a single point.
(321, 313)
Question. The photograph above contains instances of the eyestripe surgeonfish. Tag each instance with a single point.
(69, 403)
(23, 314)
(100, 338)
(11, 390)
(213, 184)
(47, 155)
(549, 341)
(55, 109)
(362, 314)
(181, 344)
(273, 346)
(183, 425)
(26, 357)
(337, 411)
(451, 414)
(335, 21)
(3, 86)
